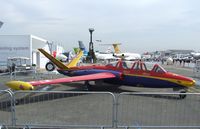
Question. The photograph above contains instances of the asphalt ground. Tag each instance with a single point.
(97, 109)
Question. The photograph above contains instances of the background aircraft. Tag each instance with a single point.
(118, 73)
(82, 48)
(118, 54)
(106, 56)
(128, 55)
(196, 55)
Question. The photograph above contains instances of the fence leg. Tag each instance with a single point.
(126, 127)
(3, 127)
(26, 126)
(13, 109)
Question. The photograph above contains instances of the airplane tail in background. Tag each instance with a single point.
(75, 60)
(116, 47)
(82, 47)
(58, 63)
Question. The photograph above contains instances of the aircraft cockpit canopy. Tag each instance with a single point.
(120, 64)
(139, 65)
(158, 69)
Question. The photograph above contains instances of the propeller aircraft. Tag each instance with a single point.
(118, 73)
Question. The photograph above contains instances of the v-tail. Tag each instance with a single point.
(58, 63)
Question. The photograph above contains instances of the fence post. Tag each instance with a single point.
(12, 104)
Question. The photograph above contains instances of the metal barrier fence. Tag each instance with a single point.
(50, 109)
(158, 110)
(7, 115)
(63, 109)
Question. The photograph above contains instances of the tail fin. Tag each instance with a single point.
(54, 60)
(82, 48)
(75, 60)
(81, 45)
(116, 47)
(59, 64)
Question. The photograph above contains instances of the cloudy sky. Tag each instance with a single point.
(140, 25)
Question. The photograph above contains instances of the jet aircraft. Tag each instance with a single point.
(196, 55)
(118, 73)
(118, 54)
(127, 55)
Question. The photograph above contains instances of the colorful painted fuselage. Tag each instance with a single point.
(136, 75)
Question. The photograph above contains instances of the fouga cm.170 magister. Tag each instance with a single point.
(117, 73)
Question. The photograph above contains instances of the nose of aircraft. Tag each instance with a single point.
(190, 82)
(193, 82)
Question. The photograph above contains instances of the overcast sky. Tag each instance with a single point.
(140, 25)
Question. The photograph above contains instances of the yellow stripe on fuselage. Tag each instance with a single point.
(177, 81)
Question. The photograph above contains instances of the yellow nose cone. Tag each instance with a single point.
(19, 85)
(190, 83)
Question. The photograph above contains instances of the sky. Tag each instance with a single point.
(139, 25)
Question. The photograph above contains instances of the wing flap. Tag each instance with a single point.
(90, 77)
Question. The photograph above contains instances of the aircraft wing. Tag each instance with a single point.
(20, 85)
(90, 77)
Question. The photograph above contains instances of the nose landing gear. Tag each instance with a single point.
(182, 95)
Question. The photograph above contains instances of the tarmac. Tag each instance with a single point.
(96, 109)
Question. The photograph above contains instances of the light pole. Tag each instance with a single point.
(91, 54)
(91, 43)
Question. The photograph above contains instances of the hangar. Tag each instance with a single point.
(23, 46)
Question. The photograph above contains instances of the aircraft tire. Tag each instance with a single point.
(50, 66)
(182, 96)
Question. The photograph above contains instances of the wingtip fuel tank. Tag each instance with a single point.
(19, 85)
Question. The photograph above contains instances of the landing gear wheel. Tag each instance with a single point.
(50, 66)
(87, 86)
(182, 96)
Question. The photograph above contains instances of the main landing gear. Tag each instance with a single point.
(50, 66)
(87, 86)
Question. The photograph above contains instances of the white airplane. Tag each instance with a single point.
(108, 55)
(127, 55)
(117, 54)
(196, 55)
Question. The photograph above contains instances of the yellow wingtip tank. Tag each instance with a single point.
(19, 85)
